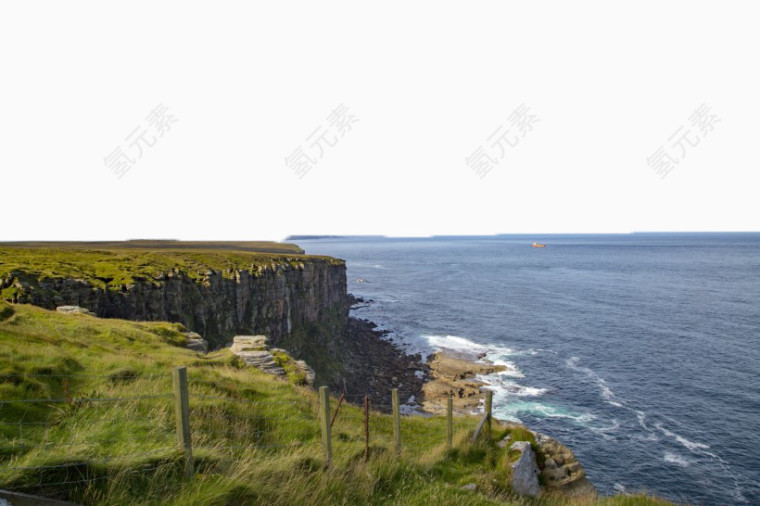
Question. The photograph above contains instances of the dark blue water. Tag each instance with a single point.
(640, 352)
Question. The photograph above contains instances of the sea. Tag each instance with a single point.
(641, 352)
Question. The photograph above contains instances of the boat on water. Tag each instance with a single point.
(536, 245)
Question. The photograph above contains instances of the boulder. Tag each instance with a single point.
(525, 471)
(261, 359)
(562, 471)
(196, 342)
(254, 352)
(74, 310)
(308, 372)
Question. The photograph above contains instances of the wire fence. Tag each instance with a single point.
(86, 431)
(245, 425)
(70, 441)
(408, 430)
(93, 430)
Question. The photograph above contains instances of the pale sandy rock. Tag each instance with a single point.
(254, 352)
(74, 310)
(248, 343)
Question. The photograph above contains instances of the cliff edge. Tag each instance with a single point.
(298, 301)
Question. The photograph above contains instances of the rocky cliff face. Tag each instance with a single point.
(299, 302)
(275, 300)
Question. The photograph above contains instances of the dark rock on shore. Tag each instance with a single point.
(374, 366)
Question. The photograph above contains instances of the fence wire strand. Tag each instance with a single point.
(228, 425)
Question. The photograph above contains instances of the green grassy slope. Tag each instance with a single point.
(256, 246)
(106, 433)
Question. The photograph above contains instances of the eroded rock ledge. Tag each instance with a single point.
(255, 352)
(559, 469)
(455, 376)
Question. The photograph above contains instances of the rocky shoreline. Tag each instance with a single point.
(379, 365)
(373, 365)
(455, 376)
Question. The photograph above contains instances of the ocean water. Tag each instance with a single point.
(641, 352)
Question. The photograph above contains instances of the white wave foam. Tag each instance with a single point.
(495, 354)
(690, 445)
(511, 410)
(605, 390)
(506, 387)
(619, 487)
(506, 390)
(523, 391)
(672, 458)
(464, 345)
(528, 353)
(511, 371)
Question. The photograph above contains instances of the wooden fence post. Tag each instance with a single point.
(366, 427)
(396, 420)
(324, 401)
(450, 422)
(182, 416)
(484, 427)
(489, 411)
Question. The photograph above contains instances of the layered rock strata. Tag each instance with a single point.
(273, 300)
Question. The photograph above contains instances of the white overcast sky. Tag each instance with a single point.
(427, 83)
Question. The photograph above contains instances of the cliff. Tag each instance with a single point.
(298, 301)
(217, 294)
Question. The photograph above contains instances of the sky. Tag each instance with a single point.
(242, 120)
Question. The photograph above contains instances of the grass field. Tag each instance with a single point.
(155, 244)
(115, 264)
(105, 433)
